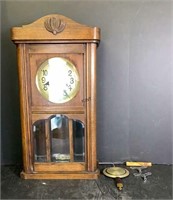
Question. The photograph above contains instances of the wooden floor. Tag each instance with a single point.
(158, 186)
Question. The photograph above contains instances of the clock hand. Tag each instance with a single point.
(65, 93)
(47, 83)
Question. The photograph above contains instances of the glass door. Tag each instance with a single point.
(59, 139)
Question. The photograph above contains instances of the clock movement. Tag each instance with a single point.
(57, 81)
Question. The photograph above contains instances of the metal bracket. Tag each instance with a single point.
(142, 175)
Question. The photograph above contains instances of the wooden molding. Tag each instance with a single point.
(63, 28)
(69, 175)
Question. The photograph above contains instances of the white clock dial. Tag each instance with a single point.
(57, 80)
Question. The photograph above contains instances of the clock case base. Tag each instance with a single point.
(62, 175)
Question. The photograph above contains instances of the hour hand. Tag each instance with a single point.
(47, 83)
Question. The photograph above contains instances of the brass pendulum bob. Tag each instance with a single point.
(118, 173)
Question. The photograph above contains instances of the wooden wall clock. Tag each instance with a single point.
(57, 79)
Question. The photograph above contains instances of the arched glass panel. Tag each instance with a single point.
(59, 139)
(78, 141)
(39, 141)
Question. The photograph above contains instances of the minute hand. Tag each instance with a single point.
(65, 93)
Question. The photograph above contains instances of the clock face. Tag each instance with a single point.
(57, 80)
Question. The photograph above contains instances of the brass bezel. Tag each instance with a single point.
(116, 172)
(45, 94)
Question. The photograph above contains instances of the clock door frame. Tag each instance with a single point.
(42, 109)
(39, 53)
(70, 42)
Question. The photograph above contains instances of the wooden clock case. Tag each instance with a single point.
(57, 36)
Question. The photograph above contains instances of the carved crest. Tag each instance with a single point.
(54, 25)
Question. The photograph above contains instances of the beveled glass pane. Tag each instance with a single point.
(39, 141)
(60, 139)
(78, 141)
